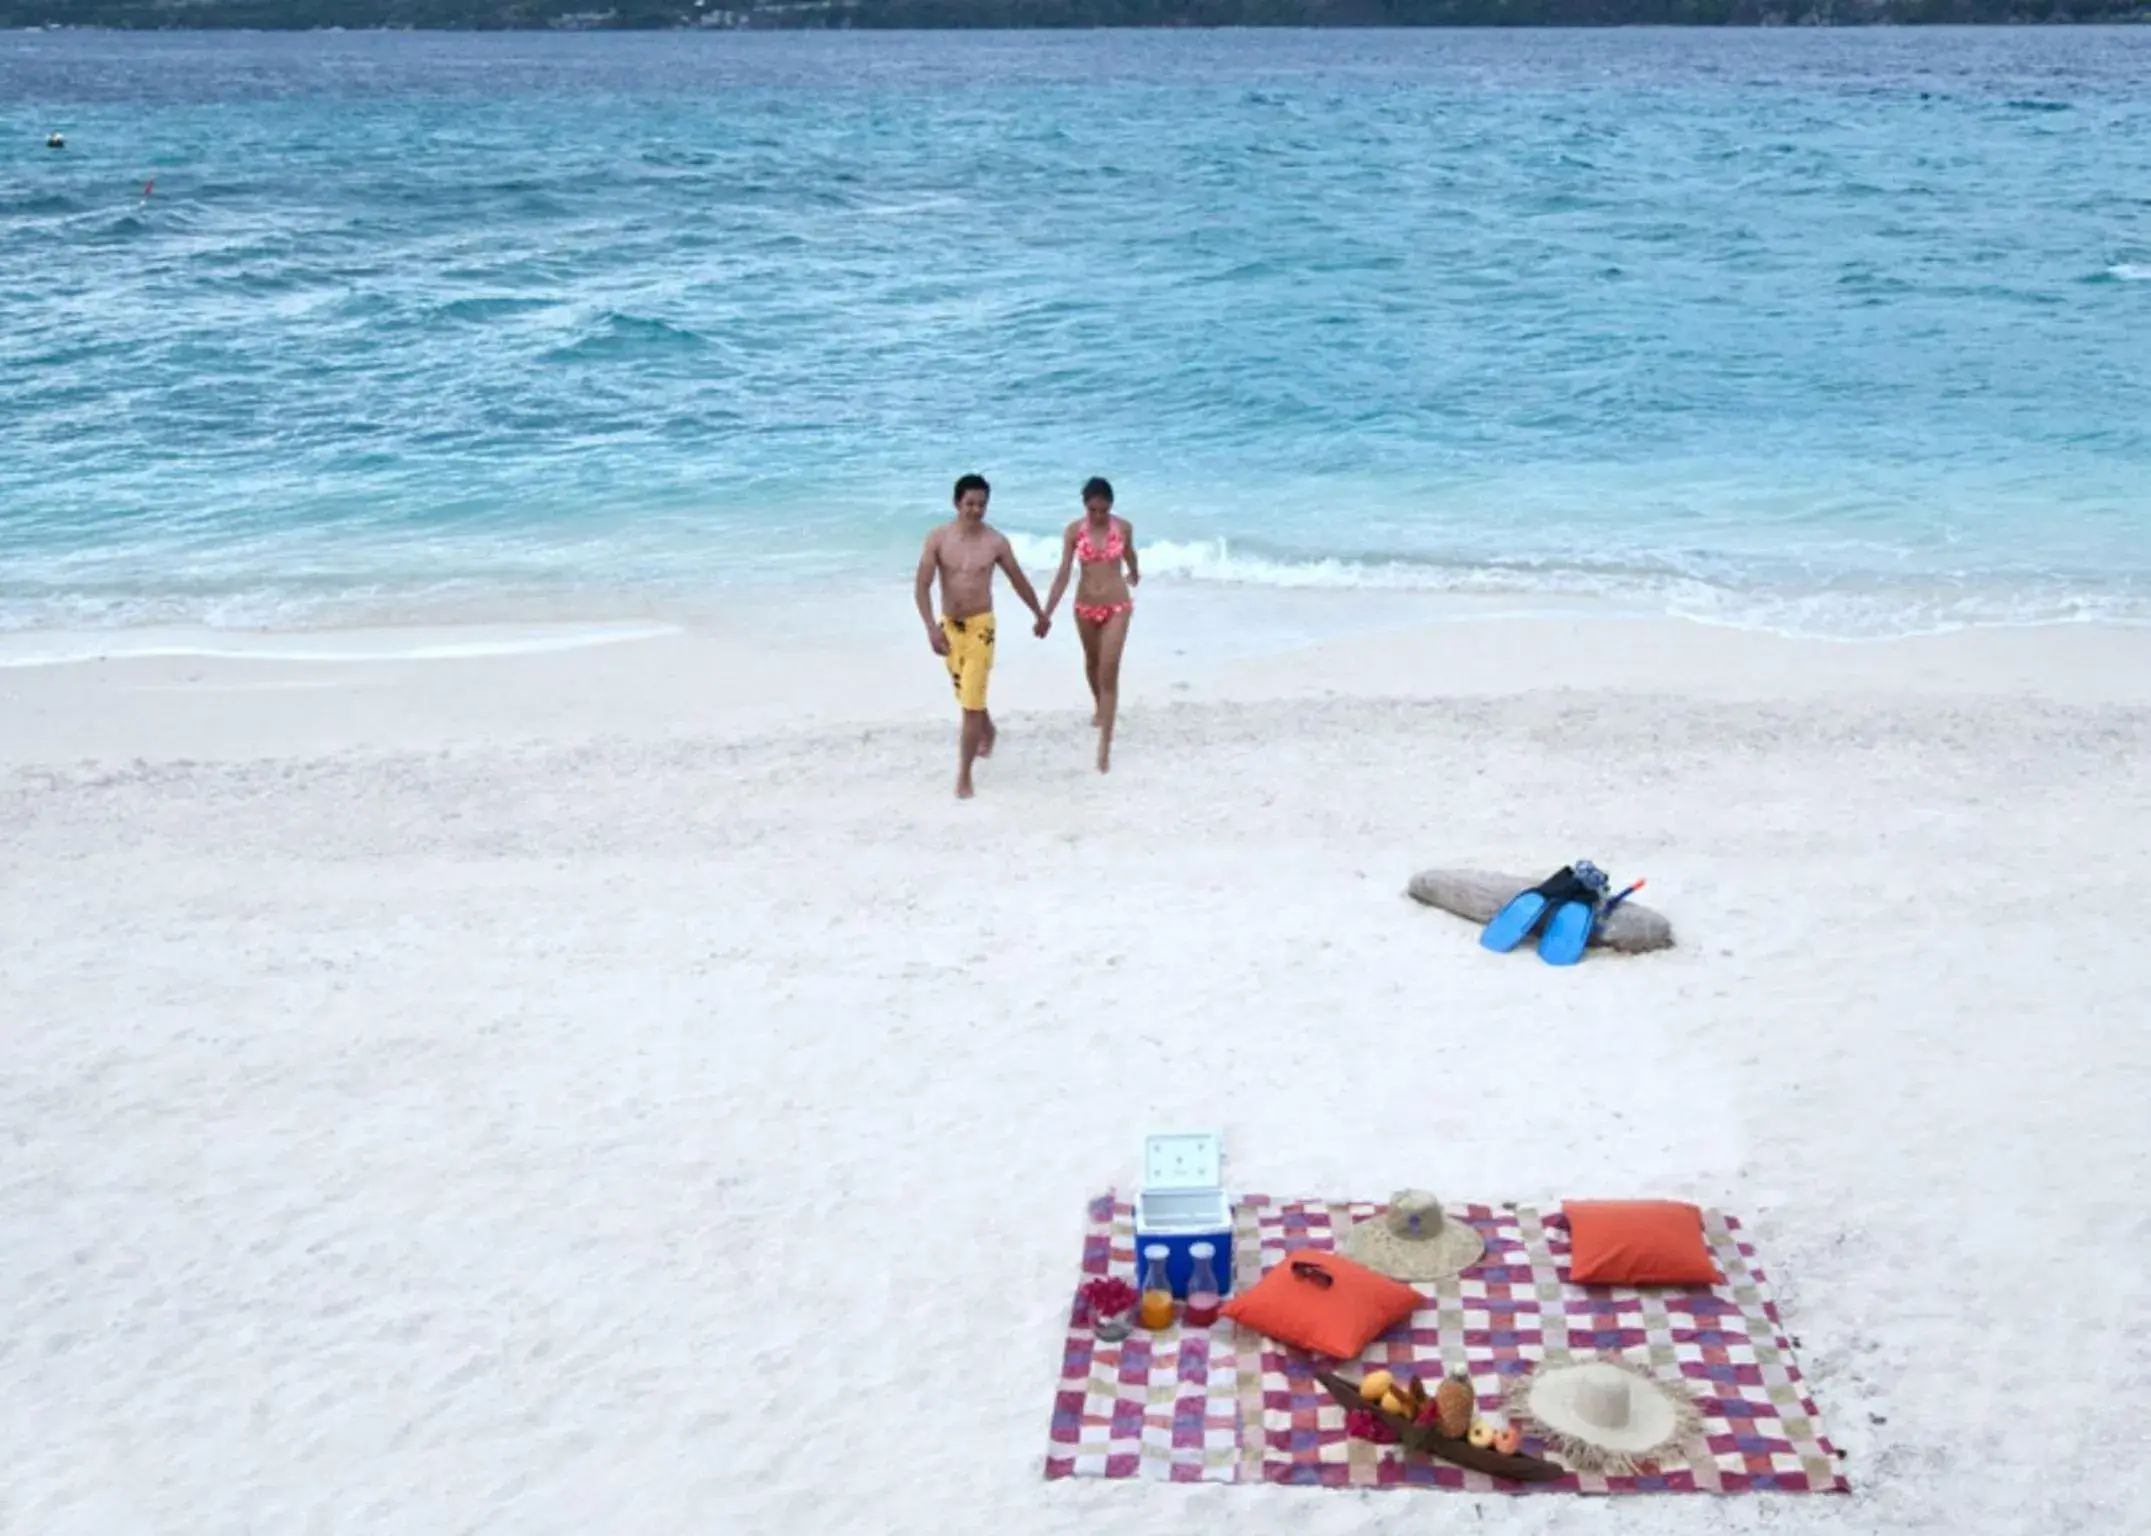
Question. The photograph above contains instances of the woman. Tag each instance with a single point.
(1104, 546)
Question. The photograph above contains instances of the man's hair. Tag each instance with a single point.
(1100, 487)
(966, 484)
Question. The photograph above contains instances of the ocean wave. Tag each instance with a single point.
(448, 643)
(2130, 272)
(600, 577)
(1216, 560)
(1843, 608)
(35, 204)
(1223, 562)
(493, 308)
(619, 335)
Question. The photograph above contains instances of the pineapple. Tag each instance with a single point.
(1454, 1404)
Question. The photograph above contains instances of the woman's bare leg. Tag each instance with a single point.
(1112, 639)
(1089, 632)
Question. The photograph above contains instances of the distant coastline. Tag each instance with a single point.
(868, 15)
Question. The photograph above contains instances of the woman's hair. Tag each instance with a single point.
(1097, 486)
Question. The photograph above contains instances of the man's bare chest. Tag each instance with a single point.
(967, 559)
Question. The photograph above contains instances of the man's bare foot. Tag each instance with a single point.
(963, 789)
(1105, 758)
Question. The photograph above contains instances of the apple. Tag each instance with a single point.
(1509, 1441)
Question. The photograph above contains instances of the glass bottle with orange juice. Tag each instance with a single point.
(1155, 1309)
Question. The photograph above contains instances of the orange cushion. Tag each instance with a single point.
(1637, 1242)
(1324, 1303)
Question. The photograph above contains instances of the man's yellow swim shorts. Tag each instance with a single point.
(970, 657)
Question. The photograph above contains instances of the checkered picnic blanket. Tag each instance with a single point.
(1225, 1405)
(1161, 1405)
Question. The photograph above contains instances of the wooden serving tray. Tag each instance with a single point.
(1426, 1438)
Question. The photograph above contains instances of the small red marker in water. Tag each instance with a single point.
(149, 186)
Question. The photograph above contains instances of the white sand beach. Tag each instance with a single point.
(617, 1088)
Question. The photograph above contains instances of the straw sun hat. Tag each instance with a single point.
(1603, 1415)
(1413, 1240)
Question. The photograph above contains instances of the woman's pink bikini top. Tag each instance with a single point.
(1090, 554)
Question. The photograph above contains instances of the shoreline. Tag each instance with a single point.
(53, 640)
(756, 670)
(1238, 616)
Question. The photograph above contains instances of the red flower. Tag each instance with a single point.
(1366, 1424)
(1108, 1296)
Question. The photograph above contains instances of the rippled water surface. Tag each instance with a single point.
(1841, 332)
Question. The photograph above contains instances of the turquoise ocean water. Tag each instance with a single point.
(1839, 333)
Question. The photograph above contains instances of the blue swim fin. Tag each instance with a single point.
(1568, 932)
(1522, 913)
(1514, 922)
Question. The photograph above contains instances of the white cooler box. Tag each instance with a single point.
(1181, 1203)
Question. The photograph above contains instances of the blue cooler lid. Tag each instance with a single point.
(1184, 1160)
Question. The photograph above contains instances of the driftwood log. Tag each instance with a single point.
(1476, 895)
(1431, 1441)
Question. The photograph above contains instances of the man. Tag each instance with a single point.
(963, 554)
